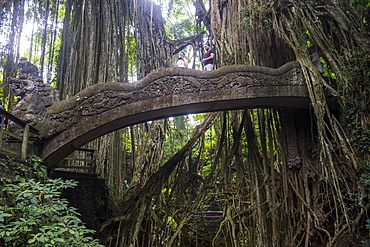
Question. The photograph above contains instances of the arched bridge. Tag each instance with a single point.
(106, 107)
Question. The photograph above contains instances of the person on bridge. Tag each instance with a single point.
(208, 57)
(181, 61)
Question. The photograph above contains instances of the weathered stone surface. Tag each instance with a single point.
(35, 95)
(105, 107)
(287, 119)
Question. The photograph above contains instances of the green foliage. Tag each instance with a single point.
(365, 180)
(359, 135)
(181, 29)
(354, 80)
(363, 8)
(179, 22)
(362, 138)
(366, 243)
(36, 215)
(349, 114)
(357, 71)
(256, 16)
(37, 168)
(130, 45)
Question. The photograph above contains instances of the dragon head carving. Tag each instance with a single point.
(35, 95)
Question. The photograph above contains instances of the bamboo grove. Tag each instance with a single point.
(233, 163)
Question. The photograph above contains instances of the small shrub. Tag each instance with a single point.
(34, 214)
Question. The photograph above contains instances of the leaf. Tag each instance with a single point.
(365, 243)
(45, 222)
(60, 240)
(32, 240)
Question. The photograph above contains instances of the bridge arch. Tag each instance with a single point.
(106, 107)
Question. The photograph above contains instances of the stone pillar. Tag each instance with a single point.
(290, 135)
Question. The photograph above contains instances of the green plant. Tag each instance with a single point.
(364, 180)
(366, 242)
(37, 168)
(36, 215)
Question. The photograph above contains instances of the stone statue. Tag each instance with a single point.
(35, 95)
(28, 70)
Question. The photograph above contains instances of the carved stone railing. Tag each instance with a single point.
(106, 107)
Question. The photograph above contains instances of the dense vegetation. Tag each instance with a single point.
(236, 162)
(32, 213)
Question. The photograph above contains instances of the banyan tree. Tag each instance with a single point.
(251, 177)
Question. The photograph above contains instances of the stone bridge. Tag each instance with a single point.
(106, 107)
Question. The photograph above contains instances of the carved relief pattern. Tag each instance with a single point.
(108, 99)
(182, 84)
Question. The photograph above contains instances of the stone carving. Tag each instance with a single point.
(35, 96)
(106, 107)
(166, 85)
(294, 160)
(27, 70)
(102, 97)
